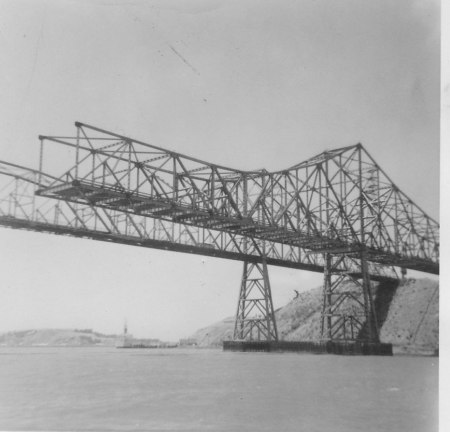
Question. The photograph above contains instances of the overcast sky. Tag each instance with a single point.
(246, 84)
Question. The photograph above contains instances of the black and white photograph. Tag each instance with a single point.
(224, 215)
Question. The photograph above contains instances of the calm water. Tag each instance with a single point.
(209, 390)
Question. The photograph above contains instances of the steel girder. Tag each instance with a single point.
(21, 208)
(337, 212)
(340, 200)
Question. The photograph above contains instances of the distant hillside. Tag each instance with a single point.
(408, 316)
(56, 337)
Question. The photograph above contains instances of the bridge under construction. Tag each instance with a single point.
(337, 213)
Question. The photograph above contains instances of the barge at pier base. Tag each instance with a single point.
(313, 347)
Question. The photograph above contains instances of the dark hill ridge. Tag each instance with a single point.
(408, 317)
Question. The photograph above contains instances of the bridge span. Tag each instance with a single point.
(336, 213)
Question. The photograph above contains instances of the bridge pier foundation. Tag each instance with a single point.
(348, 312)
(255, 318)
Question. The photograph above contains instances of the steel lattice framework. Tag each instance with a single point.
(255, 314)
(21, 208)
(337, 212)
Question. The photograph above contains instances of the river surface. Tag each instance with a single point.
(210, 390)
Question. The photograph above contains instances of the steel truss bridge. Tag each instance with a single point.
(337, 213)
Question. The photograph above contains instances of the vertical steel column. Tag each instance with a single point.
(270, 314)
(41, 157)
(370, 313)
(239, 321)
(348, 311)
(370, 319)
(77, 152)
(325, 325)
(255, 317)
(39, 177)
(129, 165)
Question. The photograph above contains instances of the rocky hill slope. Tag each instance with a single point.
(408, 316)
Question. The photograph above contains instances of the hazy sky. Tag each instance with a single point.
(247, 84)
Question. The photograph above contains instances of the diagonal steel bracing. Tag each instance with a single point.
(255, 318)
(337, 199)
(336, 213)
(21, 208)
(347, 304)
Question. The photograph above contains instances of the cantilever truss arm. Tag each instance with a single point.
(21, 208)
(339, 200)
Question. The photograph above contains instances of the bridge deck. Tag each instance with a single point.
(146, 205)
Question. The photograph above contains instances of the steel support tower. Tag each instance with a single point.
(348, 308)
(337, 213)
(255, 318)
